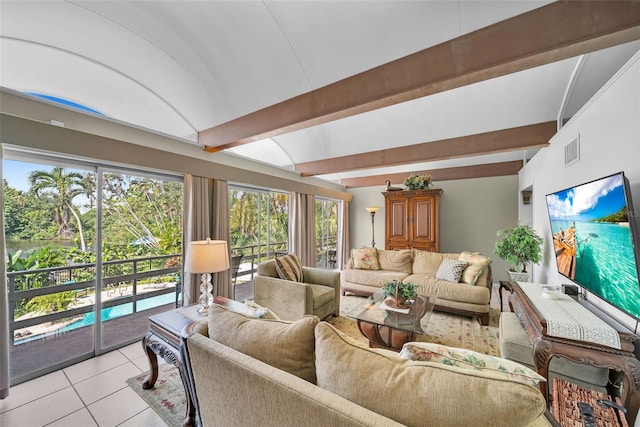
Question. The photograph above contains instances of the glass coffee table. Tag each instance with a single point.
(390, 328)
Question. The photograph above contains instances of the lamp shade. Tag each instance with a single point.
(372, 209)
(206, 256)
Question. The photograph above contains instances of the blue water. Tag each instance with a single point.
(88, 319)
(605, 262)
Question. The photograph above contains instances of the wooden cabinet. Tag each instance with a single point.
(411, 219)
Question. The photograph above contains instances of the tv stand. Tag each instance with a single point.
(546, 346)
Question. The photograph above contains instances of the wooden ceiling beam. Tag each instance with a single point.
(553, 32)
(519, 138)
(447, 174)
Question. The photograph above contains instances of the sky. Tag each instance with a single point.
(588, 201)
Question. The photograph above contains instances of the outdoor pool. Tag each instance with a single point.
(88, 319)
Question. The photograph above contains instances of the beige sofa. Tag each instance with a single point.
(245, 371)
(420, 267)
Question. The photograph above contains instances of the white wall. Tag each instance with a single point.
(471, 212)
(609, 130)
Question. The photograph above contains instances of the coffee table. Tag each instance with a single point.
(386, 328)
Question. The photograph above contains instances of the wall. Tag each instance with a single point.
(471, 212)
(609, 130)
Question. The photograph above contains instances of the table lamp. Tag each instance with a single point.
(205, 257)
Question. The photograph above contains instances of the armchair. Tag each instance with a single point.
(318, 295)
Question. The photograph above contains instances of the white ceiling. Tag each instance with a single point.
(179, 67)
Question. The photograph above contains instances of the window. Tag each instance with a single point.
(93, 252)
(326, 232)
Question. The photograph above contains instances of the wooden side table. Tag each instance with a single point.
(504, 285)
(163, 340)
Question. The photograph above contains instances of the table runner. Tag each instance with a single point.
(566, 318)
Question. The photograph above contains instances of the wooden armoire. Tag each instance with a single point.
(411, 219)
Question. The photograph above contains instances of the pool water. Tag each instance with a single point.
(88, 319)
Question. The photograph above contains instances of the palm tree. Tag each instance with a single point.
(61, 188)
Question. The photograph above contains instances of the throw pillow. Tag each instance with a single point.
(258, 311)
(284, 345)
(446, 395)
(289, 268)
(476, 265)
(365, 259)
(451, 270)
(469, 359)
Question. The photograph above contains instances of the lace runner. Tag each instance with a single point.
(566, 318)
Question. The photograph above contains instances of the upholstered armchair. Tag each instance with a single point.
(317, 294)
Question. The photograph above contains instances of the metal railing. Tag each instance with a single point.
(256, 254)
(28, 284)
(80, 279)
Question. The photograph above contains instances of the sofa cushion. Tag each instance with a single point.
(398, 260)
(469, 359)
(451, 270)
(477, 264)
(284, 345)
(375, 278)
(365, 259)
(289, 267)
(460, 292)
(344, 366)
(321, 294)
(425, 262)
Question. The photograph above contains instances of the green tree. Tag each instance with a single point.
(61, 188)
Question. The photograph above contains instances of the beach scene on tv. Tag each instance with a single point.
(593, 243)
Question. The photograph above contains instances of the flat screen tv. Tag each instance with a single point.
(593, 240)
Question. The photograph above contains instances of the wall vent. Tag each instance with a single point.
(572, 151)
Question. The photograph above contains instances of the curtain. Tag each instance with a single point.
(302, 228)
(197, 226)
(220, 231)
(4, 304)
(344, 249)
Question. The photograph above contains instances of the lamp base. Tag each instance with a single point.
(203, 311)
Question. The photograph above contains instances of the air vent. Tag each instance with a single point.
(572, 151)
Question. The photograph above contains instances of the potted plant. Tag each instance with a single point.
(521, 245)
(399, 294)
(417, 182)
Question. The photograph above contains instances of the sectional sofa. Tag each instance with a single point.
(247, 371)
(469, 296)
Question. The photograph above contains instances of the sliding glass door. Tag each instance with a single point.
(91, 253)
(140, 220)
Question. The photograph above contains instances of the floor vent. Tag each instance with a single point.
(572, 152)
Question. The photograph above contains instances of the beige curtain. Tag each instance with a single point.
(4, 304)
(344, 248)
(220, 231)
(197, 226)
(302, 227)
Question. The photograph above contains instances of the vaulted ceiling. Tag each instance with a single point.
(354, 92)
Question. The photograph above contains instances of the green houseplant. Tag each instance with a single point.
(398, 293)
(417, 182)
(520, 246)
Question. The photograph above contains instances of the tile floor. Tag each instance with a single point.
(87, 394)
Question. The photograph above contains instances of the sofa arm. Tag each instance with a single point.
(289, 300)
(320, 276)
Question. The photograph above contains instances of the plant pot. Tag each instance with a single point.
(517, 276)
(397, 302)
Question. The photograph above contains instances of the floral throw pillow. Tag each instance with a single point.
(476, 265)
(469, 359)
(451, 270)
(365, 259)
